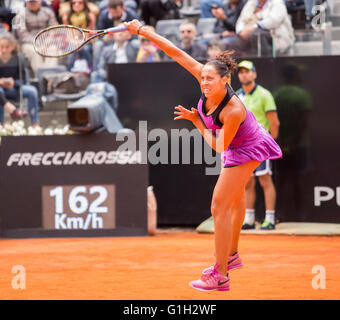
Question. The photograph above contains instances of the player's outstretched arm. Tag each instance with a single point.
(181, 57)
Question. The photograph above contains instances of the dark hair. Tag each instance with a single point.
(113, 4)
(224, 64)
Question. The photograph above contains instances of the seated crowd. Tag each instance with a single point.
(238, 26)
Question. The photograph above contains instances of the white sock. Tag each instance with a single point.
(250, 217)
(270, 216)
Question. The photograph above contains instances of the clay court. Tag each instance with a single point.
(160, 267)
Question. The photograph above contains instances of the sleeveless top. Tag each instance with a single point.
(251, 141)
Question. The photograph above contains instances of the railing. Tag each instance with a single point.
(324, 41)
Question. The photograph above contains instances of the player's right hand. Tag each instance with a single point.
(133, 26)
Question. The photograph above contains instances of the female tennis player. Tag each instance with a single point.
(229, 128)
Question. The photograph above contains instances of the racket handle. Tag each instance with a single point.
(116, 29)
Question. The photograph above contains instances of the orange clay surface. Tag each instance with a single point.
(160, 267)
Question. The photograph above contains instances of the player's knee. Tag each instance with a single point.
(219, 207)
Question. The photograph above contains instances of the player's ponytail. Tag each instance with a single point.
(224, 63)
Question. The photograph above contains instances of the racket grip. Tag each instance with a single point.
(116, 29)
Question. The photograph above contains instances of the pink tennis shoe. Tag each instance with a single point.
(234, 262)
(212, 280)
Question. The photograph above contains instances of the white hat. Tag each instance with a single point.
(81, 66)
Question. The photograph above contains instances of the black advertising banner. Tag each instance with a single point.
(73, 185)
(307, 179)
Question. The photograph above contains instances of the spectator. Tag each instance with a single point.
(65, 9)
(80, 15)
(261, 103)
(270, 17)
(215, 47)
(115, 14)
(154, 10)
(47, 3)
(294, 8)
(188, 43)
(55, 4)
(81, 69)
(148, 51)
(124, 49)
(130, 5)
(6, 17)
(36, 18)
(207, 5)
(11, 81)
(226, 18)
(81, 55)
(309, 4)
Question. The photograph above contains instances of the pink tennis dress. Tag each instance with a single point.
(251, 142)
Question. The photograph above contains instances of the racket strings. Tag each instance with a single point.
(59, 41)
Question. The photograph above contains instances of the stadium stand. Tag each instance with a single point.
(205, 26)
(169, 28)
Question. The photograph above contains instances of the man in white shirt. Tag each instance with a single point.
(120, 49)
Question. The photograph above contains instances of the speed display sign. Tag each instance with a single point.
(78, 207)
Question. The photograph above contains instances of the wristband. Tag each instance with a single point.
(139, 28)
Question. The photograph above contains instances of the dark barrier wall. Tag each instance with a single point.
(306, 93)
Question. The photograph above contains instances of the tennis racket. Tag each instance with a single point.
(62, 40)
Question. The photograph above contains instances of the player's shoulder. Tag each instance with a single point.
(235, 111)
